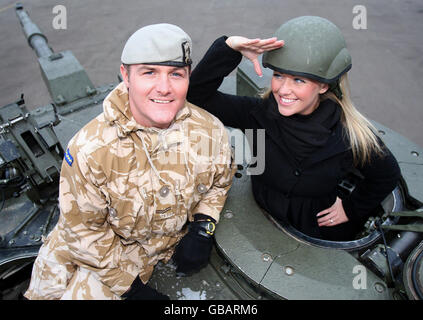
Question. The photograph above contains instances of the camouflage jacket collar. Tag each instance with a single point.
(117, 112)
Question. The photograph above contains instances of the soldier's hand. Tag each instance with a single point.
(141, 291)
(193, 251)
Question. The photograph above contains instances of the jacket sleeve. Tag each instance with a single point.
(90, 240)
(381, 176)
(218, 62)
(223, 170)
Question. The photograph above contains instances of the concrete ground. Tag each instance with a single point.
(387, 55)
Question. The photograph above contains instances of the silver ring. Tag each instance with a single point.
(331, 221)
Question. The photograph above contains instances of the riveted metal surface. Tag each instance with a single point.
(310, 272)
(409, 157)
(247, 239)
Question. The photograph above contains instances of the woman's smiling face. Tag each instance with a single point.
(296, 95)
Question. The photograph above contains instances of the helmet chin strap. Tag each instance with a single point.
(336, 89)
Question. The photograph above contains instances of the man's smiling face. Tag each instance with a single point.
(156, 92)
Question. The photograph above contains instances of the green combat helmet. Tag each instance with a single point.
(314, 48)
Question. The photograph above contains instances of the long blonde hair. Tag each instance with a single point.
(360, 131)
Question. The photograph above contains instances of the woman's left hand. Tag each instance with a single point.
(332, 216)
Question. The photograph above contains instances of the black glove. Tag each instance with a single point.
(193, 251)
(140, 291)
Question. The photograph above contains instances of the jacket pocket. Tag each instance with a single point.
(122, 214)
(203, 182)
(169, 217)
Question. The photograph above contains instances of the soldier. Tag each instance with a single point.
(133, 177)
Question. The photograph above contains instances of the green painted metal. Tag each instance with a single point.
(62, 73)
(413, 274)
(409, 157)
(65, 78)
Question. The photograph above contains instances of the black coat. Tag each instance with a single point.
(291, 191)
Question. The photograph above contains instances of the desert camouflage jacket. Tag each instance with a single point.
(126, 191)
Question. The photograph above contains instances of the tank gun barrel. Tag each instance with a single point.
(36, 39)
(62, 73)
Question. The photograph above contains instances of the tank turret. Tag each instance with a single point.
(31, 152)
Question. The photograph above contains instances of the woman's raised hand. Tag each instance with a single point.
(252, 48)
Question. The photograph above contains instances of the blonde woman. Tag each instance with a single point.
(314, 136)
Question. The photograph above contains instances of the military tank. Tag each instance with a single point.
(254, 257)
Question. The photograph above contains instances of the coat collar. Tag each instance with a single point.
(117, 112)
(336, 144)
